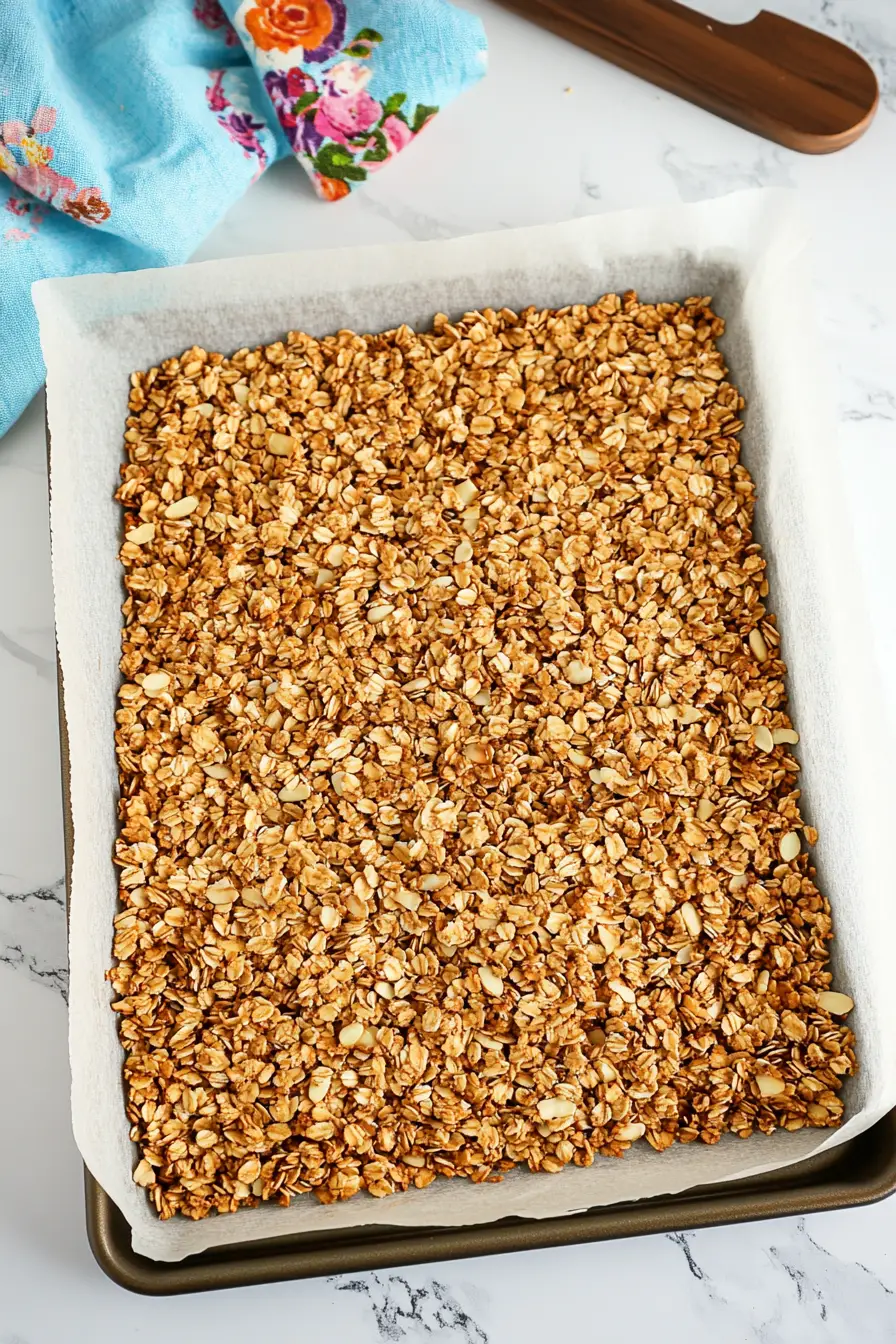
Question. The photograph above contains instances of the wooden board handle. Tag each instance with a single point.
(772, 76)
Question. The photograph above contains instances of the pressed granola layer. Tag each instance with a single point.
(459, 819)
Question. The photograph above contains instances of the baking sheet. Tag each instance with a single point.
(748, 251)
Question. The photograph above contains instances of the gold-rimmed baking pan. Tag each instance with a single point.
(861, 1171)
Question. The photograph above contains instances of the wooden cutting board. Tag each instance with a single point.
(773, 76)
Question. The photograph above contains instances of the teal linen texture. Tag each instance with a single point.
(127, 131)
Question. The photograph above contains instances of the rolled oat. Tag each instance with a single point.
(452, 802)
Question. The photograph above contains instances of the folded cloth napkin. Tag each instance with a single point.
(126, 132)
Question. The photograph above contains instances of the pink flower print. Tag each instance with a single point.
(347, 77)
(214, 94)
(43, 181)
(239, 123)
(13, 131)
(398, 134)
(340, 118)
(210, 14)
(29, 212)
(43, 121)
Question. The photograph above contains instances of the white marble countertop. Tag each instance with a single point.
(551, 133)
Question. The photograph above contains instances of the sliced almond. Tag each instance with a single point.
(692, 921)
(155, 683)
(476, 752)
(144, 1174)
(758, 645)
(319, 1089)
(466, 492)
(769, 1086)
(295, 795)
(785, 735)
(610, 938)
(762, 737)
(379, 611)
(832, 1002)
(705, 809)
(281, 445)
(182, 508)
(217, 771)
(789, 846)
(463, 553)
(578, 673)
(491, 983)
(351, 1034)
(138, 535)
(628, 1133)
(556, 1108)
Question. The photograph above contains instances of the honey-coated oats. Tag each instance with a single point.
(459, 812)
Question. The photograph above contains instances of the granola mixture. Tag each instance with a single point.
(459, 816)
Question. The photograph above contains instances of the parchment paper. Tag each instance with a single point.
(747, 251)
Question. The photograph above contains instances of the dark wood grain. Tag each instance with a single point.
(771, 75)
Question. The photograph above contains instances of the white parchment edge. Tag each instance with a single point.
(748, 251)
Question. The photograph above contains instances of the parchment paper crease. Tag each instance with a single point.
(747, 251)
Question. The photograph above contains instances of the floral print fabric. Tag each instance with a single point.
(235, 116)
(160, 123)
(354, 83)
(25, 156)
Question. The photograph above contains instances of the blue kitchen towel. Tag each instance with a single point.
(128, 130)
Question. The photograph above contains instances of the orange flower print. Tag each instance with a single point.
(283, 24)
(330, 188)
(88, 206)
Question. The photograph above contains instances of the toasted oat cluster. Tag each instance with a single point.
(459, 816)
